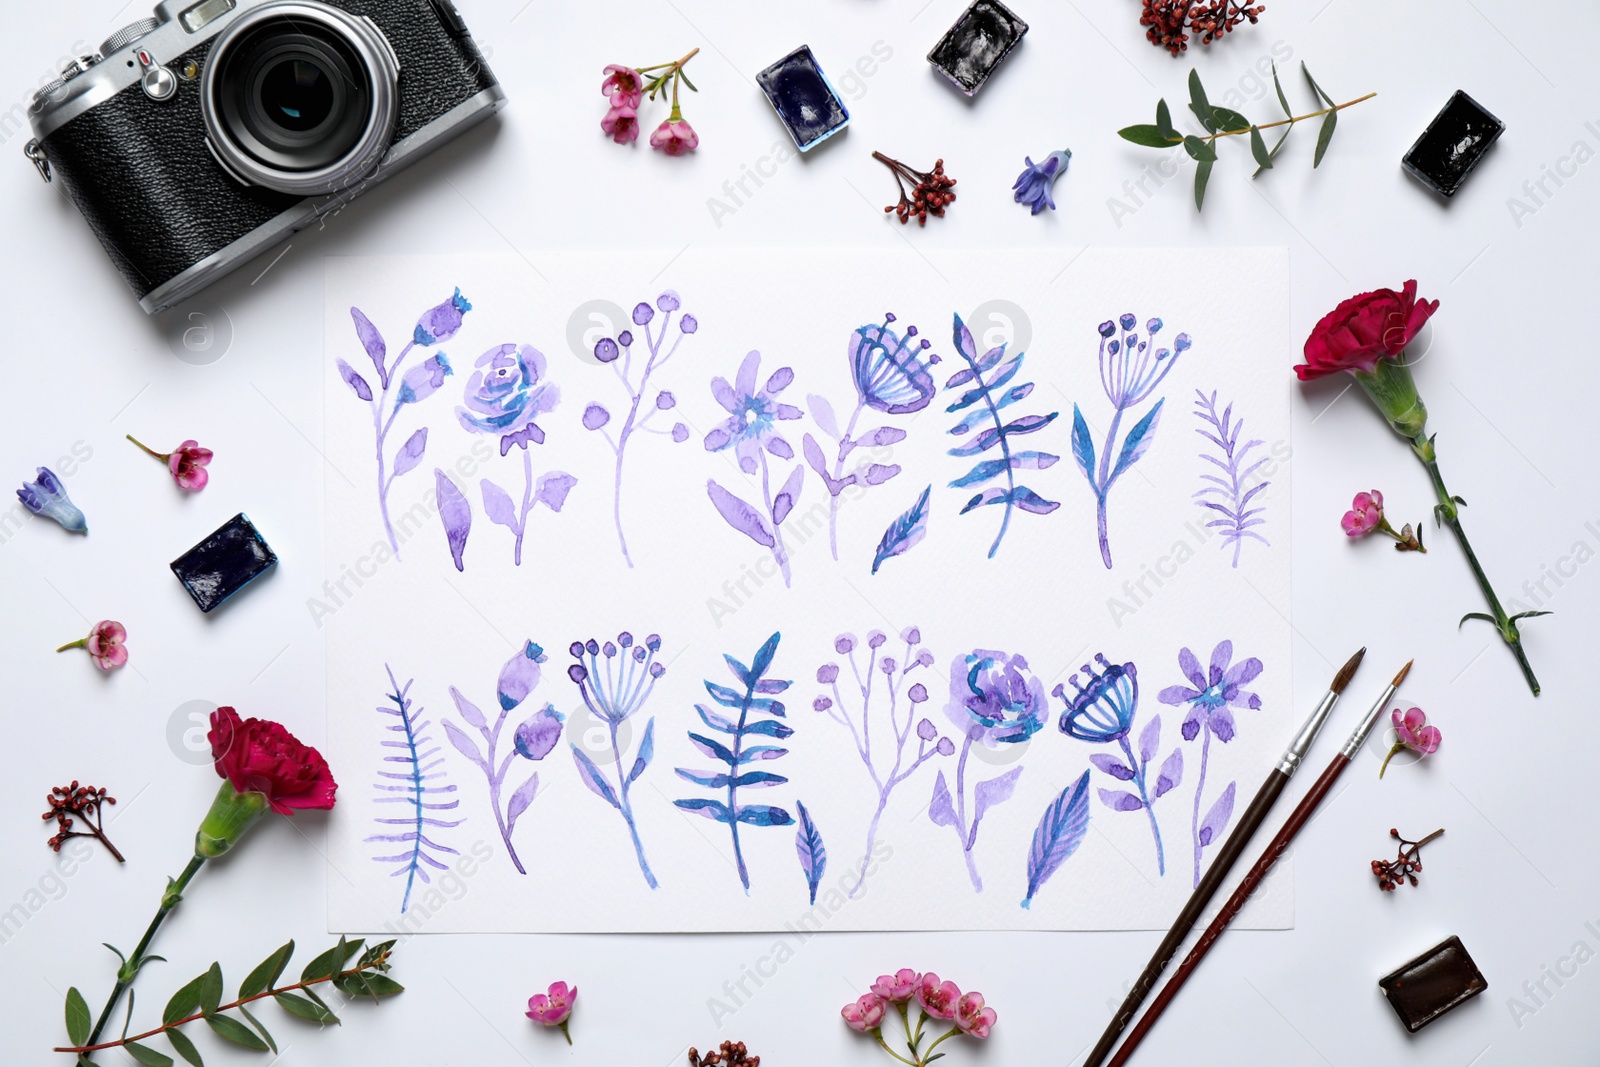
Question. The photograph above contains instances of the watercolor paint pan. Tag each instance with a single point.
(806, 102)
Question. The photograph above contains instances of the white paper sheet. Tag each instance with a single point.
(709, 590)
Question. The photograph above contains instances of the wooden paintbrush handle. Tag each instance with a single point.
(1257, 874)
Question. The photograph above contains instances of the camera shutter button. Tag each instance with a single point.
(158, 82)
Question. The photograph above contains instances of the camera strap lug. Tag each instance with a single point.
(35, 153)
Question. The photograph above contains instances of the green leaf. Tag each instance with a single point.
(1314, 86)
(1283, 100)
(1258, 148)
(368, 985)
(375, 952)
(304, 1008)
(350, 948)
(1324, 136)
(266, 972)
(77, 1017)
(1490, 619)
(1275, 149)
(1202, 174)
(1529, 614)
(1164, 122)
(1149, 136)
(325, 965)
(184, 1047)
(1198, 102)
(235, 1031)
(147, 1055)
(211, 989)
(1230, 120)
(686, 81)
(1201, 150)
(183, 1002)
(257, 1024)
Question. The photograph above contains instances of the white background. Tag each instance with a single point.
(1508, 378)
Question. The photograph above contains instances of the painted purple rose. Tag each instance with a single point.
(423, 380)
(753, 414)
(536, 737)
(506, 390)
(440, 323)
(995, 698)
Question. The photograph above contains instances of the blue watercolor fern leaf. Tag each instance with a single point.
(414, 779)
(1232, 489)
(986, 388)
(752, 696)
(813, 854)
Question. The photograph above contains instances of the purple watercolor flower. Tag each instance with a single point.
(890, 371)
(441, 322)
(537, 736)
(995, 698)
(753, 414)
(423, 380)
(507, 388)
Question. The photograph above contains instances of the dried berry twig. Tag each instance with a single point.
(731, 1054)
(1407, 861)
(86, 802)
(930, 193)
(1171, 22)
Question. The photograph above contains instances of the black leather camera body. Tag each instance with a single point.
(197, 138)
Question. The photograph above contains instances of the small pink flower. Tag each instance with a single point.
(897, 987)
(866, 1013)
(555, 1007)
(621, 124)
(1365, 516)
(623, 85)
(972, 1017)
(187, 463)
(104, 644)
(1411, 731)
(938, 998)
(675, 137)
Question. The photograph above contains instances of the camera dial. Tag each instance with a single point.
(300, 97)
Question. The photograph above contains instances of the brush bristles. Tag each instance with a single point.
(1403, 672)
(1348, 671)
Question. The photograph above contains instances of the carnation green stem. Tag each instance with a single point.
(1447, 512)
(131, 966)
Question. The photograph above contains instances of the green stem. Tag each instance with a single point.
(1392, 753)
(1290, 121)
(878, 1037)
(162, 456)
(1447, 512)
(952, 1032)
(82, 642)
(130, 967)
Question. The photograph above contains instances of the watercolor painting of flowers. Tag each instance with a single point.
(413, 777)
(508, 390)
(1131, 368)
(1209, 696)
(532, 740)
(396, 391)
(750, 431)
(995, 700)
(617, 353)
(890, 371)
(1236, 482)
(899, 701)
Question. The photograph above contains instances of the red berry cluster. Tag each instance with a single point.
(1404, 867)
(931, 191)
(1171, 22)
(84, 801)
(731, 1054)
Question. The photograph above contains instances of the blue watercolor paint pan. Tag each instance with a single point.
(230, 558)
(804, 98)
(974, 47)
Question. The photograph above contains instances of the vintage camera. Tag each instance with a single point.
(195, 139)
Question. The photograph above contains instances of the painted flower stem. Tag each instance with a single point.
(779, 553)
(627, 814)
(380, 432)
(633, 422)
(961, 813)
(1448, 512)
(1199, 790)
(83, 1050)
(1138, 780)
(132, 964)
(838, 472)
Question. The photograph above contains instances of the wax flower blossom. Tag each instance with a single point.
(1366, 337)
(187, 462)
(626, 89)
(1032, 187)
(934, 998)
(105, 644)
(1411, 731)
(1366, 516)
(47, 497)
(263, 768)
(555, 1007)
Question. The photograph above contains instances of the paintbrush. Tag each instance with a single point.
(1258, 873)
(1226, 857)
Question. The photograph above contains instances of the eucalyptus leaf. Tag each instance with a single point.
(305, 1009)
(1324, 137)
(1202, 174)
(211, 989)
(1314, 86)
(1164, 122)
(1148, 136)
(184, 1002)
(77, 1017)
(233, 1030)
(265, 1036)
(266, 972)
(1283, 100)
(1199, 104)
(1258, 148)
(1230, 120)
(325, 965)
(184, 1047)
(1201, 151)
(1275, 149)
(367, 984)
(147, 1055)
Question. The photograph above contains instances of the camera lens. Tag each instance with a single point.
(300, 97)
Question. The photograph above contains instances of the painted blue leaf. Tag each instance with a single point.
(741, 516)
(987, 794)
(711, 809)
(752, 753)
(1112, 765)
(358, 385)
(1083, 446)
(1120, 800)
(416, 795)
(1060, 832)
(966, 347)
(410, 453)
(813, 855)
(593, 778)
(647, 751)
(941, 809)
(709, 779)
(728, 698)
(772, 685)
(769, 728)
(1139, 440)
(497, 505)
(905, 532)
(981, 442)
(758, 780)
(1032, 502)
(764, 815)
(989, 468)
(521, 799)
(763, 656)
(455, 514)
(1216, 819)
(788, 496)
(1171, 773)
(714, 749)
(717, 722)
